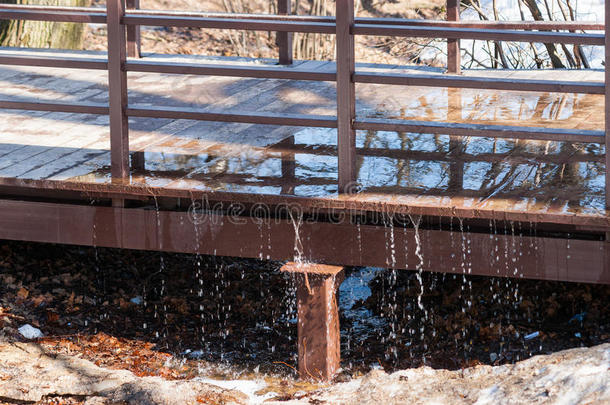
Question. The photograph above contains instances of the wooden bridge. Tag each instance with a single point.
(337, 163)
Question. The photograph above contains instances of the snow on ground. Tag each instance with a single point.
(576, 376)
(248, 387)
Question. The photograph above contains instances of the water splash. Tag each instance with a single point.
(162, 292)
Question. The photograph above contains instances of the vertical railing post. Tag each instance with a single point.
(134, 46)
(607, 105)
(346, 95)
(284, 39)
(453, 45)
(607, 122)
(117, 90)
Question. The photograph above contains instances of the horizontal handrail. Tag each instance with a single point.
(263, 118)
(56, 62)
(228, 23)
(259, 72)
(49, 8)
(68, 16)
(313, 27)
(481, 34)
(511, 25)
(98, 15)
(80, 108)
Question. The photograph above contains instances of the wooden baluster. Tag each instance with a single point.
(284, 39)
(453, 45)
(117, 92)
(134, 43)
(346, 96)
(607, 124)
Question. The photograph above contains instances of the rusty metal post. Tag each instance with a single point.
(346, 95)
(117, 91)
(134, 44)
(284, 39)
(318, 319)
(453, 45)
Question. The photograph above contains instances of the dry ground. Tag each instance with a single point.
(262, 45)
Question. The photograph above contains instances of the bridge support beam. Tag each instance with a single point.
(319, 336)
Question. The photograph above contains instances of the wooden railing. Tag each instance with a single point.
(124, 20)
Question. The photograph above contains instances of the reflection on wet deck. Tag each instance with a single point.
(500, 175)
(550, 110)
(419, 170)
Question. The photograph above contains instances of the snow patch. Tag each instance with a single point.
(30, 332)
(250, 388)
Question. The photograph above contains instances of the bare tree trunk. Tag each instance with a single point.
(314, 46)
(43, 34)
(551, 48)
(498, 44)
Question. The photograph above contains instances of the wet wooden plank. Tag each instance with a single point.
(69, 155)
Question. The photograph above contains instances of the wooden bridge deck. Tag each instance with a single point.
(535, 181)
(537, 207)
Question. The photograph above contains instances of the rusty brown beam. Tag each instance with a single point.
(298, 120)
(57, 62)
(81, 108)
(514, 25)
(91, 16)
(97, 15)
(506, 25)
(365, 202)
(543, 258)
(478, 33)
(229, 23)
(260, 72)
